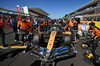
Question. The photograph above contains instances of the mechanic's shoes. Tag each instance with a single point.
(17, 41)
(77, 39)
(5, 47)
(24, 52)
(25, 37)
(75, 51)
(22, 44)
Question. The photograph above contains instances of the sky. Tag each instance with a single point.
(56, 8)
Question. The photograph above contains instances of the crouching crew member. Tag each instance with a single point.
(2, 33)
(67, 30)
(96, 36)
(25, 28)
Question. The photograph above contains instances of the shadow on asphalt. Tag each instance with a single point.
(8, 33)
(38, 62)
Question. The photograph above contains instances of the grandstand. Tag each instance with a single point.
(5, 13)
(27, 11)
(91, 11)
(35, 11)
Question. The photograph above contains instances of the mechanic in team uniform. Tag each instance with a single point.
(96, 36)
(86, 21)
(46, 24)
(71, 23)
(9, 23)
(93, 21)
(74, 21)
(19, 19)
(74, 24)
(41, 25)
(2, 33)
(25, 27)
(30, 22)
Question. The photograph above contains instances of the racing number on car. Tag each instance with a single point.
(51, 40)
(53, 33)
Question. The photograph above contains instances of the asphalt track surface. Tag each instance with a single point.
(24, 59)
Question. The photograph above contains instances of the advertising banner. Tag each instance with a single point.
(18, 8)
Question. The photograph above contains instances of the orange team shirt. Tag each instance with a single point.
(79, 26)
(82, 22)
(44, 22)
(24, 25)
(30, 22)
(86, 22)
(96, 32)
(74, 21)
(92, 21)
(67, 28)
(71, 23)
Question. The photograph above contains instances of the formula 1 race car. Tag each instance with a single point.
(57, 45)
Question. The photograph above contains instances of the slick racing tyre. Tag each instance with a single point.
(67, 40)
(36, 39)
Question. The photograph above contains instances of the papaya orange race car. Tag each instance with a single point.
(52, 45)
